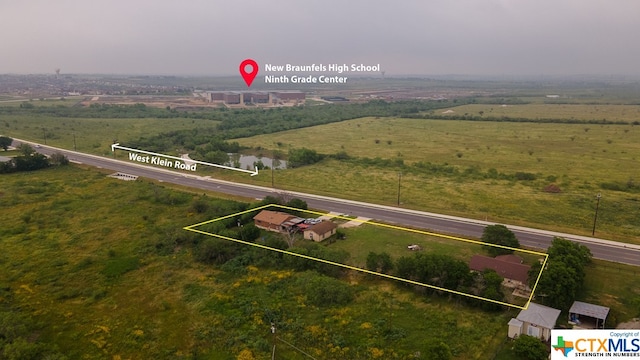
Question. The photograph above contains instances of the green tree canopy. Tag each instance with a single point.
(5, 142)
(564, 273)
(499, 235)
(530, 348)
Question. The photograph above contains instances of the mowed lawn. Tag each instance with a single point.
(370, 237)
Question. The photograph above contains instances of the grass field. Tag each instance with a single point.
(93, 269)
(621, 295)
(579, 159)
(627, 113)
(596, 153)
(58, 101)
(91, 135)
(103, 266)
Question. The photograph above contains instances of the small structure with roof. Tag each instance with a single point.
(587, 316)
(320, 231)
(537, 321)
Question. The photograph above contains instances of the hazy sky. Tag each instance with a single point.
(431, 37)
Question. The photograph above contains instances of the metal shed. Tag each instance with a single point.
(587, 315)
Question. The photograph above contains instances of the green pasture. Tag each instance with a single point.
(92, 135)
(586, 112)
(586, 152)
(582, 160)
(365, 238)
(616, 286)
(48, 101)
(503, 201)
(105, 269)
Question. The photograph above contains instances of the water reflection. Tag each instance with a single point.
(250, 162)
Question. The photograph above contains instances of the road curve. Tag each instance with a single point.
(529, 237)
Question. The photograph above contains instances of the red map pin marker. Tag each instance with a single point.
(252, 72)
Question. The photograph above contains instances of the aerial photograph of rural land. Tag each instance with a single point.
(294, 180)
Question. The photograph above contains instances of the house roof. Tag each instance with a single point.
(539, 315)
(506, 269)
(591, 310)
(510, 258)
(273, 217)
(515, 322)
(322, 227)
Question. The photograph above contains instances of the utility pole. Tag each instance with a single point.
(44, 132)
(273, 331)
(399, 178)
(74, 142)
(595, 217)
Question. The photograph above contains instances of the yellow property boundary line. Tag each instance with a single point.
(546, 256)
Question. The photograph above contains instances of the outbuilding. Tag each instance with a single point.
(587, 316)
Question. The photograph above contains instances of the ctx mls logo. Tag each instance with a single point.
(563, 346)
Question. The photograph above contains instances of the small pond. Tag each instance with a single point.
(249, 161)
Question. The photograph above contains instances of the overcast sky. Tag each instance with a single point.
(430, 37)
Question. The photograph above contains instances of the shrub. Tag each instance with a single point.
(525, 176)
(552, 188)
(325, 291)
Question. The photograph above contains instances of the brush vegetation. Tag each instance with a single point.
(94, 267)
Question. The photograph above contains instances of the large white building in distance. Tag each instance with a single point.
(253, 97)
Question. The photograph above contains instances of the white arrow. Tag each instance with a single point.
(117, 146)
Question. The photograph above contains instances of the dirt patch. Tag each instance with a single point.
(633, 324)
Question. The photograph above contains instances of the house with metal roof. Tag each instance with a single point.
(536, 320)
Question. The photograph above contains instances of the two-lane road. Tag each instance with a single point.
(535, 238)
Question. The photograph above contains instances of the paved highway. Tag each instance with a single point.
(535, 238)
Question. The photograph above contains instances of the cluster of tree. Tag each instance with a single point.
(530, 348)
(316, 251)
(199, 140)
(489, 286)
(111, 111)
(302, 157)
(501, 236)
(381, 263)
(439, 270)
(324, 290)
(443, 271)
(237, 122)
(5, 142)
(30, 160)
(564, 274)
(245, 123)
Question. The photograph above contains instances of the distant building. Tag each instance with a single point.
(232, 98)
(289, 96)
(257, 98)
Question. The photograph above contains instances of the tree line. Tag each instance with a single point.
(30, 160)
